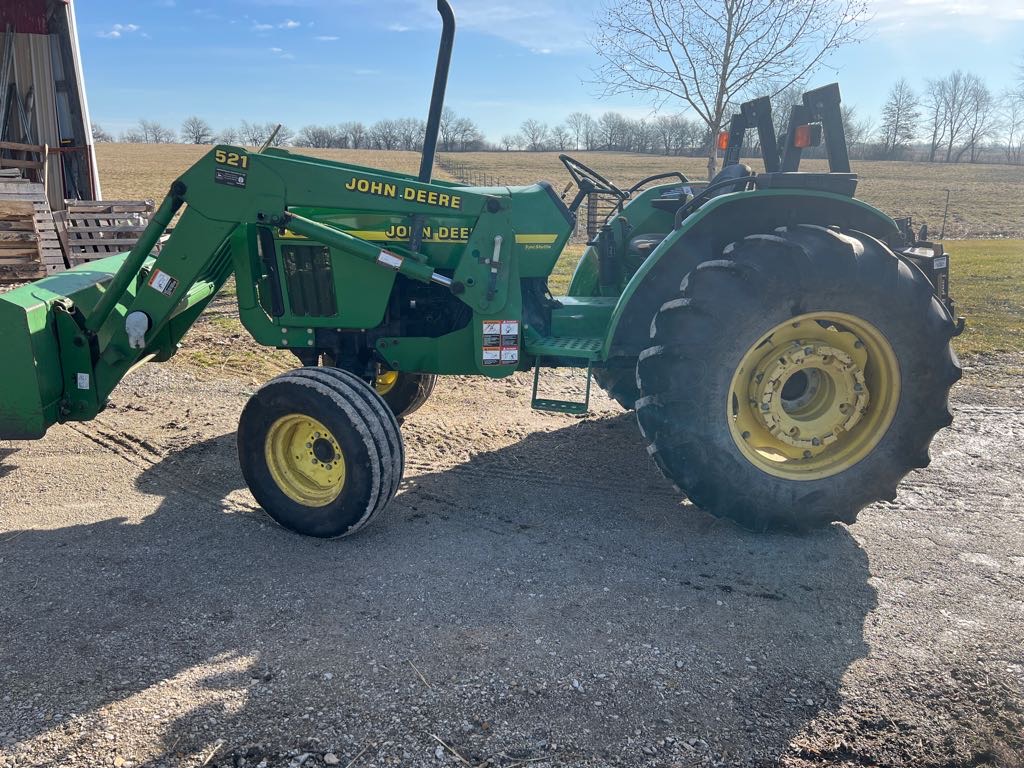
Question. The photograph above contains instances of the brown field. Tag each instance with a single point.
(141, 171)
(987, 200)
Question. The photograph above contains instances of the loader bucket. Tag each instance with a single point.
(37, 368)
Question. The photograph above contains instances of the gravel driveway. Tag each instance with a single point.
(536, 595)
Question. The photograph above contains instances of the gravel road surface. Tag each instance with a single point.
(536, 595)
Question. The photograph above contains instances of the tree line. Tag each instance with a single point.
(951, 119)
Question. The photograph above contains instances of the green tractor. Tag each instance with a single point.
(786, 347)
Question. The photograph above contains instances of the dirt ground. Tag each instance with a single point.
(537, 594)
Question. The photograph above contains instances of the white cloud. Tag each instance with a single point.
(289, 24)
(541, 26)
(262, 27)
(327, 38)
(120, 30)
(281, 53)
(980, 18)
(398, 28)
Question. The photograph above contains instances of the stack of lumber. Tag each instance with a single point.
(94, 229)
(13, 188)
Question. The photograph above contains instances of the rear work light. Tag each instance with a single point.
(807, 136)
(723, 140)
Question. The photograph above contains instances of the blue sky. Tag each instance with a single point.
(329, 61)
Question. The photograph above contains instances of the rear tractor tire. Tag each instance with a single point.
(320, 451)
(619, 384)
(797, 379)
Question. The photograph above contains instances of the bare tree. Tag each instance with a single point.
(410, 133)
(446, 129)
(384, 135)
(536, 134)
(195, 130)
(279, 134)
(351, 135)
(666, 128)
(710, 53)
(577, 123)
(783, 100)
(561, 138)
(316, 136)
(856, 130)
(508, 142)
(935, 114)
(900, 116)
(615, 132)
(1012, 112)
(228, 136)
(358, 132)
(100, 135)
(253, 134)
(983, 118)
(152, 132)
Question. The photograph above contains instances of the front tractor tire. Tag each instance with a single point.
(797, 379)
(320, 451)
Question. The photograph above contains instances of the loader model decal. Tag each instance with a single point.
(411, 194)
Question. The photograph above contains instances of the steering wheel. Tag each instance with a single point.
(582, 174)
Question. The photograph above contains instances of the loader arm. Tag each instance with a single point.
(71, 338)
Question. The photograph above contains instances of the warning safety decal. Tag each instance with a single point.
(162, 282)
(500, 342)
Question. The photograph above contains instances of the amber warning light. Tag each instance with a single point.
(807, 136)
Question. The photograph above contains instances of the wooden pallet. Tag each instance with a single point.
(34, 162)
(14, 188)
(94, 229)
(20, 257)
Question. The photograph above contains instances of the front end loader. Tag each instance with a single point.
(786, 347)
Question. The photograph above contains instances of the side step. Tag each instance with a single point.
(576, 351)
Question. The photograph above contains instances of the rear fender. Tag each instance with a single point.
(705, 234)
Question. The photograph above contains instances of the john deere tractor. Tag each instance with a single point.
(785, 346)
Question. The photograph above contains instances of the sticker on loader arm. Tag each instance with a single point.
(500, 342)
(162, 282)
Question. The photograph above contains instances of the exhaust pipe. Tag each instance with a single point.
(444, 60)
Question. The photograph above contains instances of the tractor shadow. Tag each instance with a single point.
(470, 607)
(6, 467)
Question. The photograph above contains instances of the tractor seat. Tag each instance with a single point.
(643, 245)
(741, 172)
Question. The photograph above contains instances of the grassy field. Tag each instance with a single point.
(986, 283)
(985, 274)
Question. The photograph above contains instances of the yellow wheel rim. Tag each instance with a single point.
(305, 460)
(385, 382)
(814, 396)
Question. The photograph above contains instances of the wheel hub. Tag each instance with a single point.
(828, 390)
(305, 460)
(814, 395)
